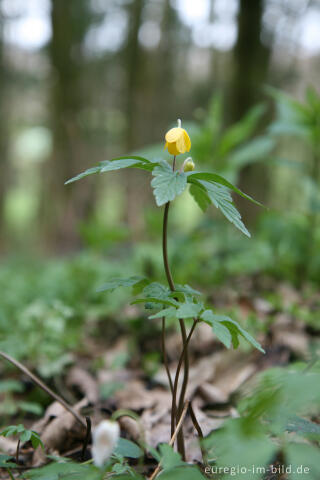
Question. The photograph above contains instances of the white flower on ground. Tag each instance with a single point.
(105, 438)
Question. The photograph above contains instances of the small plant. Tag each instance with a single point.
(24, 435)
(180, 302)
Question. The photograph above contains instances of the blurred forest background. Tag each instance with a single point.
(86, 80)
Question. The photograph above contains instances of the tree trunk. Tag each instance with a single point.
(133, 64)
(66, 206)
(251, 62)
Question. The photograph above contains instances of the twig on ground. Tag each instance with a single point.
(44, 387)
(173, 438)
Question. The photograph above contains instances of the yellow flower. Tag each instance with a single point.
(177, 140)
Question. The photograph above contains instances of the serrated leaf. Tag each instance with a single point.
(200, 196)
(121, 282)
(222, 200)
(167, 184)
(218, 328)
(188, 310)
(115, 164)
(89, 171)
(110, 166)
(186, 289)
(167, 312)
(128, 449)
(218, 179)
(157, 290)
(234, 328)
(158, 301)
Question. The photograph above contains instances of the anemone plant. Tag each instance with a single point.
(173, 301)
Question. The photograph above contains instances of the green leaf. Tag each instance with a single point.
(304, 461)
(222, 200)
(65, 471)
(186, 289)
(30, 407)
(254, 151)
(116, 164)
(167, 312)
(167, 184)
(128, 449)
(159, 292)
(303, 426)
(25, 436)
(188, 310)
(218, 328)
(121, 282)
(158, 301)
(169, 458)
(182, 473)
(235, 446)
(200, 196)
(11, 386)
(241, 131)
(89, 171)
(215, 178)
(234, 328)
(36, 440)
(5, 461)
(110, 166)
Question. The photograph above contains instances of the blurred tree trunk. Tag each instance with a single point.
(66, 206)
(133, 65)
(251, 61)
(3, 135)
(165, 97)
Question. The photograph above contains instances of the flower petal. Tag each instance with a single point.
(174, 134)
(183, 143)
(172, 149)
(187, 140)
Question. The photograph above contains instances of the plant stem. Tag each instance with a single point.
(10, 474)
(165, 247)
(185, 356)
(164, 353)
(173, 437)
(180, 437)
(181, 359)
(17, 452)
(200, 434)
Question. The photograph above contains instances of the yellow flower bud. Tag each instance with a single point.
(189, 165)
(177, 140)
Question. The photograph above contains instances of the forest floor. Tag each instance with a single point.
(104, 378)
